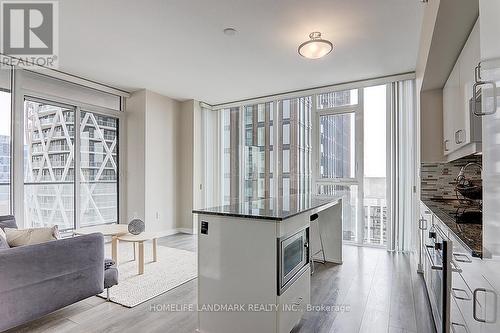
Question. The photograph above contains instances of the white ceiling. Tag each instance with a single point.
(177, 47)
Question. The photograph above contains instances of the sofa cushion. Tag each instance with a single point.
(3, 240)
(7, 221)
(20, 237)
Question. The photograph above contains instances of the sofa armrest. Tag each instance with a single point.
(38, 279)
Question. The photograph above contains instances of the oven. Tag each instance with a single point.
(293, 258)
(437, 267)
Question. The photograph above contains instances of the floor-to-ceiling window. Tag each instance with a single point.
(294, 146)
(5, 142)
(55, 140)
(375, 165)
(49, 172)
(98, 169)
(339, 150)
(266, 150)
(339, 137)
(352, 145)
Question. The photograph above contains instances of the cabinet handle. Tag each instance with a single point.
(462, 326)
(422, 225)
(458, 139)
(460, 257)
(454, 293)
(455, 268)
(475, 96)
(446, 145)
(476, 301)
(299, 301)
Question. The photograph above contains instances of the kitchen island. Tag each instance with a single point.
(254, 260)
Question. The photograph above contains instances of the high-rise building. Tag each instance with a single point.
(50, 167)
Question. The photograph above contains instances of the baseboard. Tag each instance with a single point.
(186, 231)
(169, 232)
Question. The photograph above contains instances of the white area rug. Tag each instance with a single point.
(173, 268)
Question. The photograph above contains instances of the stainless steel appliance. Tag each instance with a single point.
(437, 269)
(293, 258)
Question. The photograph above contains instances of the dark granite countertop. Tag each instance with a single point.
(470, 235)
(276, 209)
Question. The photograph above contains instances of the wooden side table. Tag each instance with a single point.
(113, 230)
(140, 239)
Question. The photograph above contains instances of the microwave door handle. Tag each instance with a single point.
(475, 97)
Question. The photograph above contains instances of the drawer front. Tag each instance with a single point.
(462, 296)
(457, 322)
(296, 297)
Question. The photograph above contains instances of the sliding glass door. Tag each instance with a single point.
(98, 169)
(70, 176)
(49, 137)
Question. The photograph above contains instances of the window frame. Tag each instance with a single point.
(357, 180)
(11, 90)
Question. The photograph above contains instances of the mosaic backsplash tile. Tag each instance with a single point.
(438, 179)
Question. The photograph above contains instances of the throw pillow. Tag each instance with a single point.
(20, 237)
(7, 221)
(3, 240)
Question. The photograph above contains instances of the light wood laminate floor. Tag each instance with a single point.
(381, 290)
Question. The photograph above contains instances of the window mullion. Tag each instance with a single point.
(76, 167)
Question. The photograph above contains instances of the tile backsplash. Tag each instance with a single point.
(437, 180)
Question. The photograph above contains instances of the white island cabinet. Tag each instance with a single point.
(254, 261)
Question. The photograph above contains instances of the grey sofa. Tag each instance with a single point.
(38, 279)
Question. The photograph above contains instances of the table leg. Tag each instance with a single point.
(141, 258)
(155, 250)
(134, 247)
(114, 249)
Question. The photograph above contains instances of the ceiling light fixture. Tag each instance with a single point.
(316, 47)
(230, 31)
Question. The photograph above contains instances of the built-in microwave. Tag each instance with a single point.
(293, 258)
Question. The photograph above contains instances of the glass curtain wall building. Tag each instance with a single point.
(267, 151)
(49, 166)
(249, 168)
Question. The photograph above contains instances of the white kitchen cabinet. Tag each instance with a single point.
(451, 97)
(461, 129)
(469, 58)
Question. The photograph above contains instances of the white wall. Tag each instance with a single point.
(136, 165)
(153, 167)
(186, 154)
(162, 143)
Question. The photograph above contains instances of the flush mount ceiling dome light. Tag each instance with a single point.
(316, 47)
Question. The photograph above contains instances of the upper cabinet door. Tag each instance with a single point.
(461, 129)
(451, 109)
(448, 145)
(469, 59)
